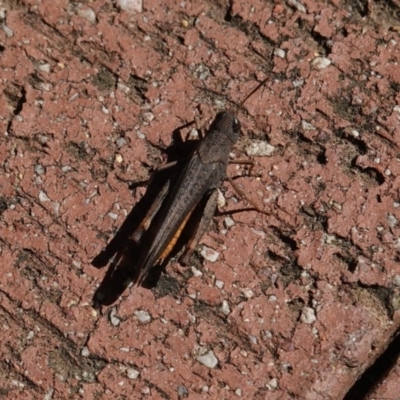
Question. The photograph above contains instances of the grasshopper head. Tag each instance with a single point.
(227, 123)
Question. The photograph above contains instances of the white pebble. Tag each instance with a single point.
(85, 352)
(87, 13)
(229, 222)
(307, 126)
(308, 315)
(225, 308)
(280, 53)
(321, 62)
(208, 359)
(296, 4)
(131, 6)
(219, 284)
(132, 373)
(248, 293)
(272, 384)
(44, 67)
(143, 316)
(115, 321)
(209, 254)
(259, 148)
(39, 169)
(43, 196)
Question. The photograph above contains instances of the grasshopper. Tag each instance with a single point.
(195, 191)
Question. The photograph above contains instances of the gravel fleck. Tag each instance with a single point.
(66, 168)
(297, 5)
(391, 220)
(229, 222)
(308, 315)
(143, 316)
(280, 53)
(321, 62)
(196, 272)
(39, 169)
(85, 352)
(219, 284)
(43, 196)
(208, 359)
(132, 373)
(112, 215)
(130, 6)
(115, 321)
(87, 13)
(259, 148)
(225, 307)
(121, 142)
(272, 384)
(307, 126)
(182, 391)
(209, 254)
(44, 67)
(248, 293)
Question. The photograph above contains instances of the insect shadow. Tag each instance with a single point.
(120, 273)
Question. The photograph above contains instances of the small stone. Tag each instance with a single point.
(229, 222)
(272, 384)
(208, 359)
(182, 391)
(143, 316)
(280, 53)
(196, 272)
(225, 307)
(43, 196)
(396, 280)
(238, 392)
(87, 13)
(115, 321)
(391, 220)
(219, 284)
(321, 62)
(39, 169)
(8, 31)
(248, 293)
(85, 352)
(132, 373)
(307, 126)
(259, 148)
(120, 142)
(308, 315)
(130, 6)
(221, 200)
(118, 158)
(112, 215)
(297, 5)
(44, 67)
(252, 339)
(209, 254)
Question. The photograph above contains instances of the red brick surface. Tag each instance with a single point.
(298, 303)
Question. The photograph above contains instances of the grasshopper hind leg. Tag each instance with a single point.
(201, 228)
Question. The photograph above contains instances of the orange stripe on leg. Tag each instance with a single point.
(173, 241)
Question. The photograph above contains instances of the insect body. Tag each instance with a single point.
(196, 186)
(192, 193)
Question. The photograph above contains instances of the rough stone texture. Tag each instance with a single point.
(89, 96)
